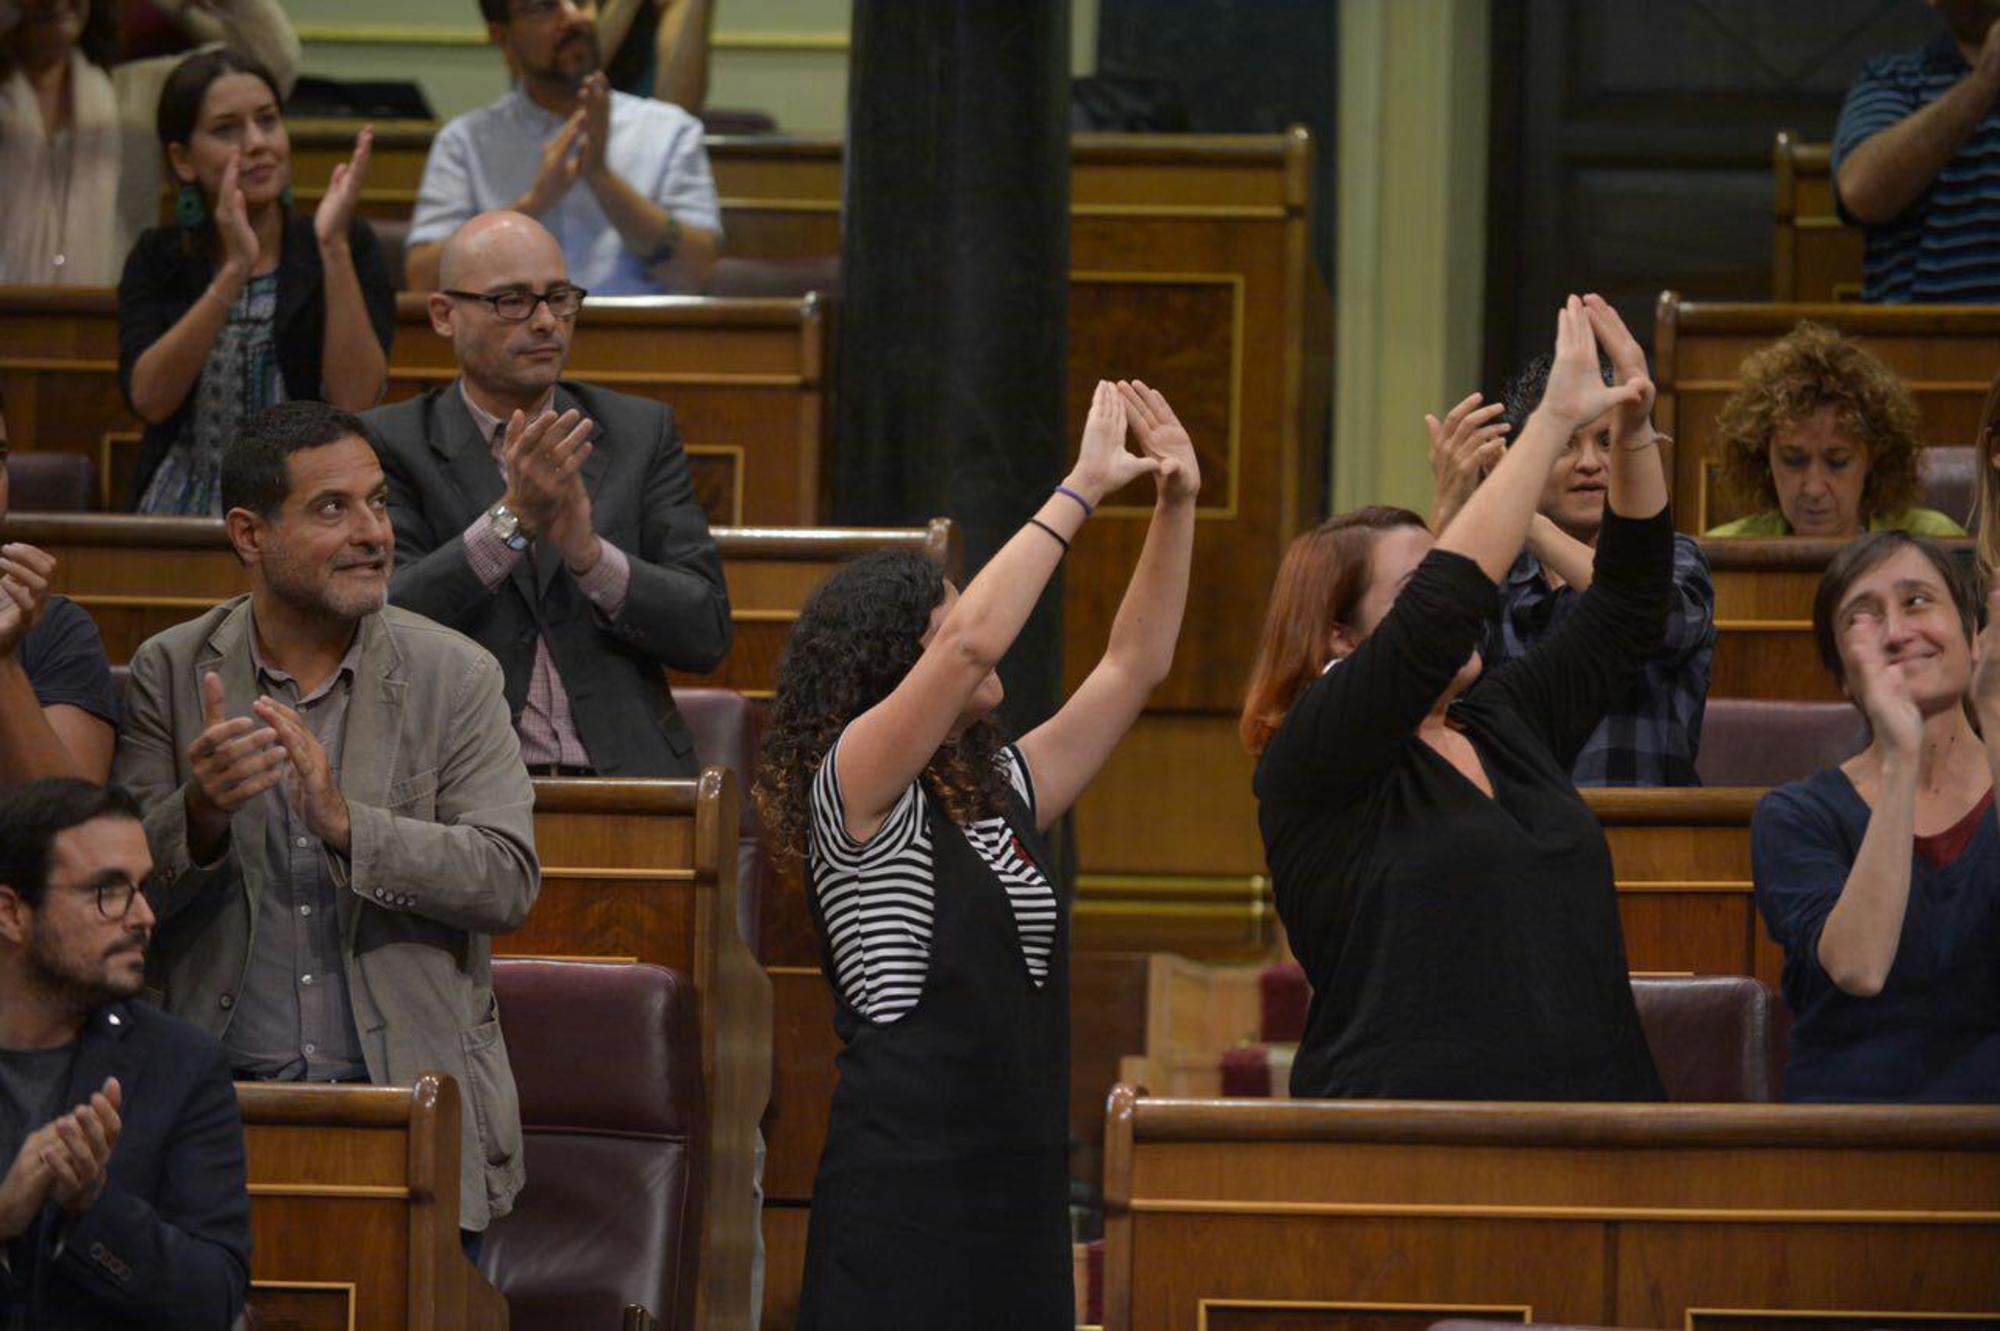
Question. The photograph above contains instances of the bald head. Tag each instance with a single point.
(501, 242)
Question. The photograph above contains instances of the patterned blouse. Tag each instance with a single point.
(240, 379)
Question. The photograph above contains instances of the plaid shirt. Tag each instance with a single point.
(1651, 738)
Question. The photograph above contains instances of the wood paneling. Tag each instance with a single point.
(354, 1209)
(646, 871)
(1336, 1214)
(138, 576)
(1814, 255)
(746, 380)
(1946, 353)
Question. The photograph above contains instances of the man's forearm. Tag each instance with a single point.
(1890, 170)
(30, 749)
(675, 255)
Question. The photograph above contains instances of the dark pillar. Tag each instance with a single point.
(954, 278)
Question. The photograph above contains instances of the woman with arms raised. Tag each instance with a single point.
(943, 1193)
(1880, 878)
(243, 303)
(1447, 890)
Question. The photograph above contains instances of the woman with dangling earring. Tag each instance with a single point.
(242, 303)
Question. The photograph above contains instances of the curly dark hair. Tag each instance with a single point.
(856, 638)
(1811, 368)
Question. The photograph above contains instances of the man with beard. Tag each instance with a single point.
(553, 522)
(336, 803)
(623, 182)
(124, 1202)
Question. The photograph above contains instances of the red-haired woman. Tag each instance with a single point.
(1447, 890)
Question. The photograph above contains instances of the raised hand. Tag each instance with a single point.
(240, 246)
(1576, 392)
(1160, 434)
(81, 1154)
(24, 591)
(234, 762)
(1633, 425)
(1880, 690)
(562, 163)
(595, 103)
(1103, 464)
(1464, 447)
(343, 191)
(541, 458)
(309, 783)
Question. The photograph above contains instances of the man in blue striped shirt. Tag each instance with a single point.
(1916, 160)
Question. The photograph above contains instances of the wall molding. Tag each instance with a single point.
(427, 34)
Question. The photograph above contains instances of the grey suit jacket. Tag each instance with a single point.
(443, 857)
(442, 476)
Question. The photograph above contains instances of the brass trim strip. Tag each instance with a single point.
(1816, 1314)
(570, 871)
(422, 34)
(551, 956)
(1763, 626)
(336, 1191)
(1670, 1214)
(114, 601)
(1525, 1312)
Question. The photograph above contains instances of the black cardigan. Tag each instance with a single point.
(165, 275)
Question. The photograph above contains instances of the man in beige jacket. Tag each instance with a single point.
(336, 804)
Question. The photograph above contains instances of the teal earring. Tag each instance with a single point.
(285, 196)
(190, 209)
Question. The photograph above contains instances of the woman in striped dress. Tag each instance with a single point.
(942, 1195)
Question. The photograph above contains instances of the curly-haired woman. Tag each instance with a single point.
(943, 1192)
(1821, 438)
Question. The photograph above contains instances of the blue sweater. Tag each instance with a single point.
(1933, 1033)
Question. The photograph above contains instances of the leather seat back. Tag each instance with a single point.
(1755, 742)
(1949, 476)
(51, 483)
(1715, 1038)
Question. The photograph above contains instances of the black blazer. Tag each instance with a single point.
(168, 1243)
(166, 274)
(442, 475)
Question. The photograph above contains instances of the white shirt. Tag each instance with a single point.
(488, 158)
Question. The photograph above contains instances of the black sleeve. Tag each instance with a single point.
(1352, 724)
(151, 299)
(65, 661)
(1563, 687)
(185, 1262)
(378, 289)
(677, 606)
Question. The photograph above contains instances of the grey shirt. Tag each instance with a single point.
(31, 1089)
(292, 1020)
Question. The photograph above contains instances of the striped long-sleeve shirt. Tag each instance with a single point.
(1945, 247)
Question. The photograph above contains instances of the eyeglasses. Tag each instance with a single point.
(114, 898)
(519, 306)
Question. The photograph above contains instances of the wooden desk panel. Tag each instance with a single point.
(354, 1209)
(1946, 353)
(746, 379)
(1814, 255)
(646, 871)
(138, 576)
(1324, 1216)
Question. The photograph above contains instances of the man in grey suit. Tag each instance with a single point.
(554, 523)
(336, 804)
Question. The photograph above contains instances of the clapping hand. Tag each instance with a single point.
(240, 246)
(1633, 426)
(1103, 464)
(1880, 690)
(233, 762)
(1160, 434)
(64, 1161)
(542, 458)
(309, 783)
(594, 99)
(1464, 447)
(562, 163)
(1576, 392)
(343, 191)
(24, 591)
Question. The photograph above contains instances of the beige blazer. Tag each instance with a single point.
(443, 858)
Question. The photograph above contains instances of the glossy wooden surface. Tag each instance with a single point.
(1946, 353)
(137, 576)
(747, 380)
(1317, 1215)
(1814, 255)
(354, 1209)
(646, 871)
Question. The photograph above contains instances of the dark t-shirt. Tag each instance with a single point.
(1459, 946)
(64, 659)
(31, 1089)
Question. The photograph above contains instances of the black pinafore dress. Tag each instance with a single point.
(942, 1199)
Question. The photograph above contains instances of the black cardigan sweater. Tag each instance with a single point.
(168, 271)
(1461, 947)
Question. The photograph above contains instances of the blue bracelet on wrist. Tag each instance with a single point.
(1088, 511)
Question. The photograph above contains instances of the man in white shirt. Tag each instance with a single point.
(622, 182)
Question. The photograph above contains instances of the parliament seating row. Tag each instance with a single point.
(1815, 256)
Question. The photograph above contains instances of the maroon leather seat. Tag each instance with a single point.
(51, 483)
(1949, 476)
(775, 277)
(394, 233)
(1753, 742)
(728, 729)
(1716, 1039)
(607, 1058)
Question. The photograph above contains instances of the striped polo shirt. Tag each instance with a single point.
(1945, 248)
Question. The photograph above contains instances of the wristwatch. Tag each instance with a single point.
(506, 524)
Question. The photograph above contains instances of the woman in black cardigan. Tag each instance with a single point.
(242, 303)
(1447, 890)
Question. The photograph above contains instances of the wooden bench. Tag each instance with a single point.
(1946, 353)
(354, 1209)
(137, 576)
(1234, 1215)
(1814, 255)
(645, 871)
(747, 380)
